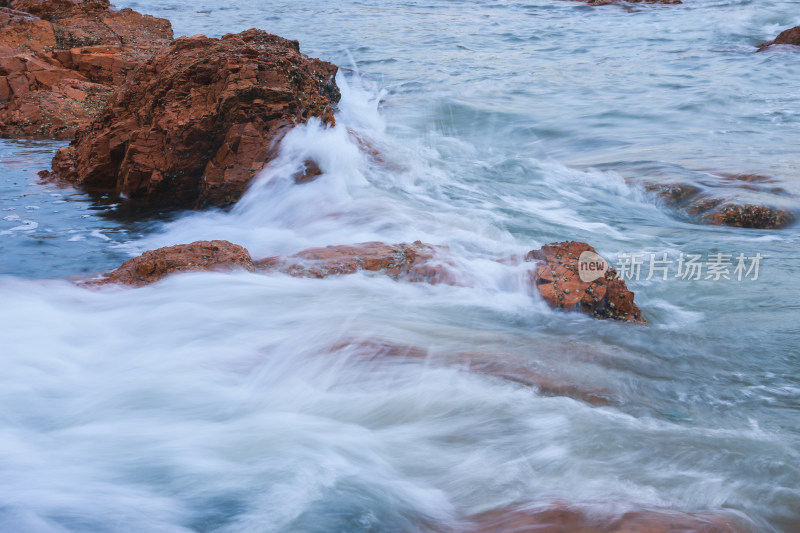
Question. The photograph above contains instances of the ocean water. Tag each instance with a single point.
(242, 402)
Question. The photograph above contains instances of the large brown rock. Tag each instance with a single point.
(558, 281)
(790, 36)
(196, 123)
(409, 262)
(50, 83)
(561, 518)
(198, 256)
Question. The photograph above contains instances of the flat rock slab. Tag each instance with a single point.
(410, 262)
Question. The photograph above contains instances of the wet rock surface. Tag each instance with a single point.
(60, 61)
(558, 281)
(736, 200)
(198, 256)
(196, 123)
(562, 518)
(790, 36)
(410, 262)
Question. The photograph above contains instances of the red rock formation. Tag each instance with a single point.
(60, 9)
(20, 31)
(199, 120)
(51, 81)
(198, 256)
(560, 518)
(790, 36)
(559, 283)
(557, 279)
(410, 262)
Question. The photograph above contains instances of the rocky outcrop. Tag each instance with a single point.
(196, 122)
(20, 31)
(62, 9)
(790, 36)
(79, 23)
(198, 256)
(558, 281)
(61, 59)
(410, 262)
(724, 205)
(559, 518)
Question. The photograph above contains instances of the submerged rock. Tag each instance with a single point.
(558, 281)
(198, 121)
(504, 366)
(607, 2)
(721, 207)
(61, 59)
(790, 36)
(198, 256)
(409, 262)
(749, 216)
(559, 518)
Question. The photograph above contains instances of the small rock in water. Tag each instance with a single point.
(711, 206)
(198, 256)
(559, 282)
(790, 36)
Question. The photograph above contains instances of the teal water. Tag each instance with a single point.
(212, 402)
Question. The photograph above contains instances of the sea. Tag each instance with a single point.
(243, 402)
